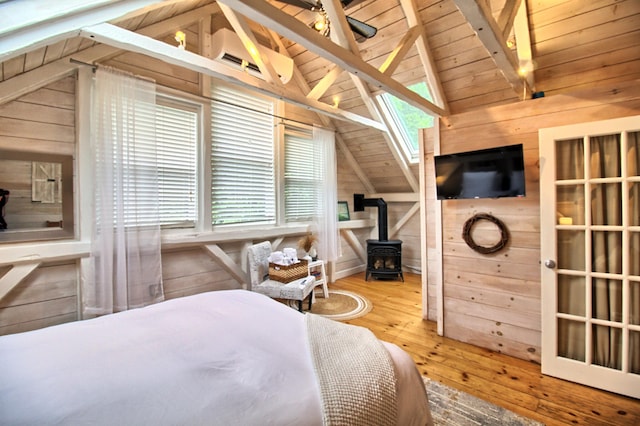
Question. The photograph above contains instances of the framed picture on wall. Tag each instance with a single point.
(343, 211)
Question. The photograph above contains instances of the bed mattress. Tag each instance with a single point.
(228, 357)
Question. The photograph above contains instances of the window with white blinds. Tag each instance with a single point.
(163, 162)
(177, 142)
(242, 157)
(303, 176)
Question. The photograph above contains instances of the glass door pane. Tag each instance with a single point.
(571, 250)
(605, 156)
(607, 346)
(606, 299)
(570, 204)
(571, 341)
(571, 295)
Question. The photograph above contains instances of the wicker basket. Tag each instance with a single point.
(287, 273)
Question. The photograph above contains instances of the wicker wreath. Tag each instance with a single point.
(468, 226)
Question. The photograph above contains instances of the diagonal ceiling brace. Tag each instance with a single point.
(293, 29)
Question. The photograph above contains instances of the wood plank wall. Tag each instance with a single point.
(493, 301)
(44, 122)
(577, 43)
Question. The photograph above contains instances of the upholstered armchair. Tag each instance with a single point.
(260, 282)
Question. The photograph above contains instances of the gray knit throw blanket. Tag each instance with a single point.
(355, 372)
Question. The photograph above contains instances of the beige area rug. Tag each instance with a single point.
(452, 407)
(341, 305)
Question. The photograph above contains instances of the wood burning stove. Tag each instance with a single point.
(384, 256)
(384, 259)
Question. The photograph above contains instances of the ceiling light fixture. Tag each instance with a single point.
(321, 23)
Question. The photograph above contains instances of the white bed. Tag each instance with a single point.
(220, 358)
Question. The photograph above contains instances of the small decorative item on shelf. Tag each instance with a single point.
(307, 243)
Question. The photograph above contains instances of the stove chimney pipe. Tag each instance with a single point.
(359, 203)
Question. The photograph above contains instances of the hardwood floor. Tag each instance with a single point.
(503, 380)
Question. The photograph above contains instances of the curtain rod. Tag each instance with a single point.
(95, 66)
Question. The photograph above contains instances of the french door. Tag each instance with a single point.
(590, 248)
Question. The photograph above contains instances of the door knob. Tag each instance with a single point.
(550, 263)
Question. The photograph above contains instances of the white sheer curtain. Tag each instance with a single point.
(327, 221)
(125, 263)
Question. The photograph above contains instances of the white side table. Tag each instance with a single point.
(317, 266)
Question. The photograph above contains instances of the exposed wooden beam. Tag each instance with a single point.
(426, 57)
(226, 262)
(127, 40)
(340, 30)
(523, 44)
(52, 251)
(325, 82)
(15, 275)
(293, 29)
(29, 81)
(30, 25)
(354, 242)
(486, 28)
(507, 16)
(404, 219)
(397, 55)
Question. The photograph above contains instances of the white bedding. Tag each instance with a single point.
(220, 358)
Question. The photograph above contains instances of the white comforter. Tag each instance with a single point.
(219, 358)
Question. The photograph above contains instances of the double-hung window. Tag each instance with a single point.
(243, 188)
(162, 163)
(177, 136)
(303, 175)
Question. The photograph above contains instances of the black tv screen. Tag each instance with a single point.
(486, 173)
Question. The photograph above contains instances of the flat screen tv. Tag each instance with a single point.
(487, 173)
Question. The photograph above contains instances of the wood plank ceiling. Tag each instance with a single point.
(458, 46)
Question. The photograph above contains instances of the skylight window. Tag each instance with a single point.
(406, 120)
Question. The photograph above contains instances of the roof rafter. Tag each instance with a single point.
(133, 42)
(40, 30)
(298, 32)
(41, 76)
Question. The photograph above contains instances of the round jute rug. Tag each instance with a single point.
(340, 305)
